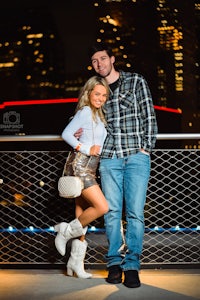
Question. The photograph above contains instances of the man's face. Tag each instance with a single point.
(102, 63)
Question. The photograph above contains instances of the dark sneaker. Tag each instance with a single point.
(114, 274)
(131, 279)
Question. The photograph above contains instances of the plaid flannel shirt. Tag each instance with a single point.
(131, 119)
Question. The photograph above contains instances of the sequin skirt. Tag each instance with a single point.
(79, 164)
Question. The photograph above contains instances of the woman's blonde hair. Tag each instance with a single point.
(84, 96)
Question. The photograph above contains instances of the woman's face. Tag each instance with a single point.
(98, 96)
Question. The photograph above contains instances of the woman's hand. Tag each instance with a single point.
(95, 150)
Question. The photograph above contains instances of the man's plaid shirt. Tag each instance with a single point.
(131, 119)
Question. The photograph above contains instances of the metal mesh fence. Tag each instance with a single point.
(30, 206)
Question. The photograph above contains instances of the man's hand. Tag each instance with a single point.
(78, 133)
(143, 151)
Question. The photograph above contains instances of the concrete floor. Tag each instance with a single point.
(48, 284)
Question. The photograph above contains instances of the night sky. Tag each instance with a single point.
(74, 20)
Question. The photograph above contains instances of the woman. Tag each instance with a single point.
(83, 163)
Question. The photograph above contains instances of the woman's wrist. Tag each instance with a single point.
(78, 147)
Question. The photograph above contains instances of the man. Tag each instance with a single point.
(125, 164)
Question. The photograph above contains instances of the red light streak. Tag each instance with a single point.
(36, 102)
(168, 109)
(67, 100)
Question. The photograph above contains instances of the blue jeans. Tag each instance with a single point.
(124, 182)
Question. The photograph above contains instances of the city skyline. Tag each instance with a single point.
(73, 26)
(155, 50)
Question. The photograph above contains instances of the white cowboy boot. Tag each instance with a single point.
(65, 232)
(76, 261)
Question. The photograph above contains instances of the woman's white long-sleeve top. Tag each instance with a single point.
(94, 133)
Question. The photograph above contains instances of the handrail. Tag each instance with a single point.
(178, 136)
(32, 138)
(160, 136)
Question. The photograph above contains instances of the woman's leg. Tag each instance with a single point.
(87, 210)
(80, 206)
(97, 205)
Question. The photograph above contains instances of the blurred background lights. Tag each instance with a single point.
(41, 183)
(93, 228)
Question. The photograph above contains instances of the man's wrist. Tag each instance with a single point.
(144, 151)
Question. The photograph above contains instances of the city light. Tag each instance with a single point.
(94, 229)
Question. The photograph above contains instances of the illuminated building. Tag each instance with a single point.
(31, 63)
(157, 38)
(166, 53)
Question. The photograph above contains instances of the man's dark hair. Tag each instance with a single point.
(100, 47)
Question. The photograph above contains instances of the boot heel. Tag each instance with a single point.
(70, 272)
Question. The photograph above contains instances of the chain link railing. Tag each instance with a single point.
(30, 206)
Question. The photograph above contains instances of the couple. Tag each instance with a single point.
(121, 142)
